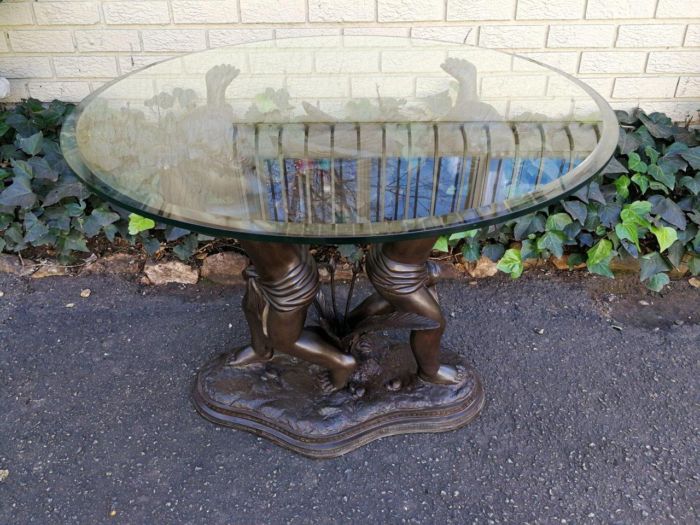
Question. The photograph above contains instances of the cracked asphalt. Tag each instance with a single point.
(593, 420)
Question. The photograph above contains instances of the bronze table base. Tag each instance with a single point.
(282, 401)
(325, 390)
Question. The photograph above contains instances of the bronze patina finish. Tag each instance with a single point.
(365, 386)
(281, 144)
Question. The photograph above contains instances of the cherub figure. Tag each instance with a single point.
(467, 106)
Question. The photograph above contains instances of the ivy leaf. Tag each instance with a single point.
(670, 212)
(18, 194)
(694, 264)
(149, 243)
(21, 124)
(599, 257)
(625, 118)
(660, 175)
(493, 251)
(645, 136)
(67, 186)
(692, 156)
(585, 239)
(14, 235)
(675, 253)
(639, 208)
(693, 184)
(577, 210)
(98, 219)
(571, 231)
(470, 250)
(628, 142)
(21, 168)
(441, 244)
(34, 228)
(189, 246)
(610, 214)
(642, 182)
(622, 186)
(675, 149)
(657, 186)
(651, 264)
(557, 221)
(524, 226)
(110, 232)
(41, 169)
(74, 209)
(552, 241)
(658, 281)
(672, 164)
(582, 193)
(73, 242)
(575, 259)
(628, 231)
(613, 167)
(469, 234)
(104, 216)
(138, 224)
(657, 127)
(529, 250)
(595, 194)
(173, 233)
(652, 154)
(31, 145)
(665, 236)
(58, 218)
(511, 263)
(634, 162)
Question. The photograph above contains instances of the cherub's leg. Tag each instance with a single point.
(399, 272)
(283, 286)
(375, 304)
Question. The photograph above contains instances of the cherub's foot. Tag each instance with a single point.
(218, 79)
(325, 381)
(459, 68)
(245, 356)
(445, 375)
(337, 378)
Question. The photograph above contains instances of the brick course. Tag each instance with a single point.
(644, 52)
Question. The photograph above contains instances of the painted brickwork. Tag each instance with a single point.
(635, 52)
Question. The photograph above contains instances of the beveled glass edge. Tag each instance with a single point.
(586, 170)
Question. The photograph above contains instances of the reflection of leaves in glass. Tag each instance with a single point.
(273, 100)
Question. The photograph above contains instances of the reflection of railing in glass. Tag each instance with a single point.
(405, 171)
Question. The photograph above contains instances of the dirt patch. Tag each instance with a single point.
(628, 302)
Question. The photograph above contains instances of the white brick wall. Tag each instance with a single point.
(635, 52)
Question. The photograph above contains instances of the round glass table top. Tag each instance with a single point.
(339, 139)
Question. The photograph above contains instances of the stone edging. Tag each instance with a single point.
(226, 268)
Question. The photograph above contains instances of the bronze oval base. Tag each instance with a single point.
(283, 401)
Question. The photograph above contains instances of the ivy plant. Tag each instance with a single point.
(44, 206)
(645, 204)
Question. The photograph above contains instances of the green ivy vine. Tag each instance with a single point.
(644, 204)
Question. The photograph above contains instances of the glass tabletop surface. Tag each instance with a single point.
(339, 139)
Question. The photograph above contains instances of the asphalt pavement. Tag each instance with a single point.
(591, 415)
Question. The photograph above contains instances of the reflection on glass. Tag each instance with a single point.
(342, 135)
